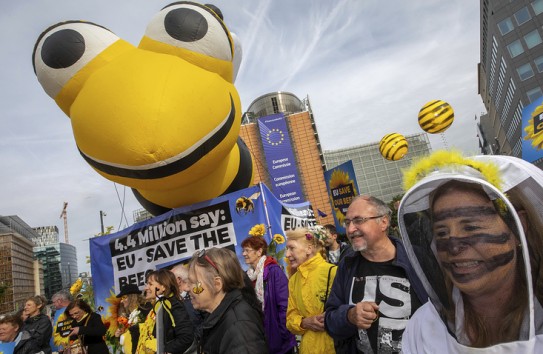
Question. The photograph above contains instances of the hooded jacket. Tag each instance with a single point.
(501, 177)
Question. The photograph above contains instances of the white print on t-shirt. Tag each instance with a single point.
(392, 316)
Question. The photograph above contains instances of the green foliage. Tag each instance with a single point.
(393, 205)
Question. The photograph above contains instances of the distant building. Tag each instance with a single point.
(18, 270)
(510, 68)
(59, 260)
(376, 175)
(304, 143)
(140, 215)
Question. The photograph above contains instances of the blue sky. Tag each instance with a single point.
(367, 67)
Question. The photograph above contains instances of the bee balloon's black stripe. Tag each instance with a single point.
(173, 167)
(489, 266)
(151, 207)
(470, 212)
(455, 245)
(242, 180)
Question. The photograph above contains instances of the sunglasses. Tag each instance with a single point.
(202, 255)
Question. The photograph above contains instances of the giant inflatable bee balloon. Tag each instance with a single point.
(163, 117)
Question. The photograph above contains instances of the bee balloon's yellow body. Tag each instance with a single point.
(393, 146)
(162, 118)
(436, 116)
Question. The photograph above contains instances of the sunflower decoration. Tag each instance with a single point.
(534, 128)
(339, 179)
(111, 321)
(76, 287)
(277, 239)
(258, 230)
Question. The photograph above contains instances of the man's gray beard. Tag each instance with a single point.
(361, 248)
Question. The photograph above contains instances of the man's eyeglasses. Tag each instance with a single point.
(124, 297)
(359, 220)
(202, 255)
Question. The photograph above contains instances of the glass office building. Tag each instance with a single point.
(375, 175)
(510, 71)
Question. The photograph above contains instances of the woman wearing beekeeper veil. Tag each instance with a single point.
(473, 230)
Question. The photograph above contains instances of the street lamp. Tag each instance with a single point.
(102, 214)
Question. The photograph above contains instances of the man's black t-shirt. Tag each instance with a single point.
(388, 286)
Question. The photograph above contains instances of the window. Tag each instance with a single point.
(506, 26)
(525, 72)
(532, 39)
(515, 48)
(537, 5)
(534, 94)
(522, 16)
(539, 64)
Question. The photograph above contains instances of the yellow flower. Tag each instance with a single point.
(76, 286)
(112, 314)
(258, 230)
(279, 239)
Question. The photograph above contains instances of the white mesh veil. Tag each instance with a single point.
(522, 185)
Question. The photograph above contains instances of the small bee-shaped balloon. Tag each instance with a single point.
(393, 146)
(436, 116)
(245, 205)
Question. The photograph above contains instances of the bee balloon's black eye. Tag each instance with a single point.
(186, 25)
(62, 49)
(190, 26)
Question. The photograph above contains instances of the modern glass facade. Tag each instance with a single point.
(510, 71)
(375, 175)
(59, 260)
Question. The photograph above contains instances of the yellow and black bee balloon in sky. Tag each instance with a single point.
(436, 116)
(163, 117)
(393, 146)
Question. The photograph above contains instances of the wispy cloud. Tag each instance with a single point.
(367, 66)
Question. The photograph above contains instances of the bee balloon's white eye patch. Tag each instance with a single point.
(193, 27)
(64, 49)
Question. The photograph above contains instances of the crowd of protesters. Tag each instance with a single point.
(468, 268)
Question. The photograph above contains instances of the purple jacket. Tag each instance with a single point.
(280, 340)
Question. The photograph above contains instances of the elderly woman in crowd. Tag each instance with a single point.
(13, 337)
(475, 263)
(271, 286)
(87, 327)
(177, 326)
(309, 288)
(234, 324)
(37, 323)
